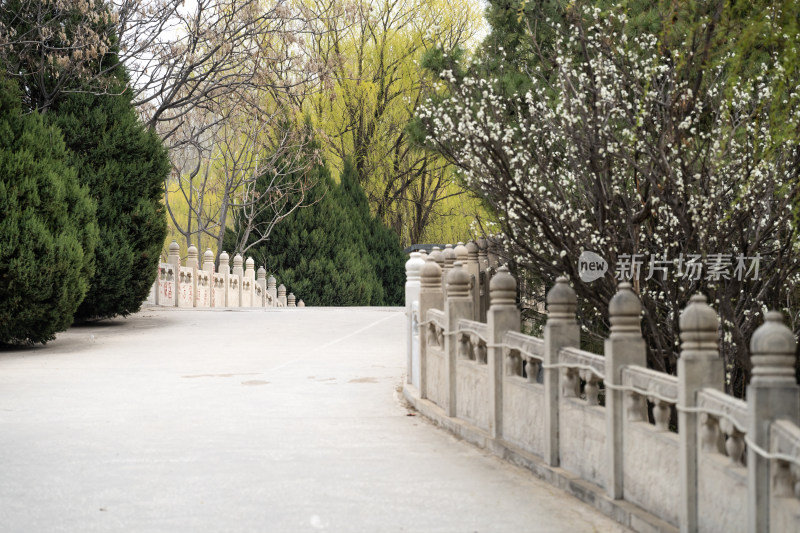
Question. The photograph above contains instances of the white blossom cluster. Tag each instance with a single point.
(616, 150)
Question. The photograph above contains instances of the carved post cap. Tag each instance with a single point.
(191, 252)
(208, 260)
(301, 304)
(699, 325)
(561, 300)
(502, 288)
(249, 263)
(472, 251)
(271, 281)
(449, 255)
(281, 290)
(436, 255)
(624, 311)
(262, 273)
(430, 274)
(413, 266)
(291, 301)
(224, 263)
(462, 254)
(174, 247)
(458, 281)
(237, 261)
(772, 348)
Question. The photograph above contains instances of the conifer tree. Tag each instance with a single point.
(383, 245)
(124, 166)
(48, 230)
(318, 252)
(73, 77)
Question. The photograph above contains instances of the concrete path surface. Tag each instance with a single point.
(256, 420)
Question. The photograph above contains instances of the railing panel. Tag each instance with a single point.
(233, 291)
(472, 392)
(436, 316)
(785, 504)
(471, 327)
(523, 414)
(582, 439)
(167, 286)
(434, 359)
(580, 364)
(415, 364)
(525, 344)
(650, 457)
(218, 290)
(203, 289)
(651, 474)
(722, 476)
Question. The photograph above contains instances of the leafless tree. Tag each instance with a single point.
(254, 175)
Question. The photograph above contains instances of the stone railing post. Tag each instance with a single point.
(272, 292)
(282, 295)
(174, 255)
(462, 254)
(413, 265)
(437, 255)
(208, 261)
(772, 394)
(247, 285)
(560, 331)
(193, 262)
(483, 257)
(301, 303)
(449, 256)
(699, 367)
(250, 269)
(430, 297)
(492, 247)
(458, 305)
(291, 300)
(474, 269)
(484, 278)
(225, 269)
(502, 317)
(238, 272)
(262, 282)
(624, 346)
(237, 265)
(174, 259)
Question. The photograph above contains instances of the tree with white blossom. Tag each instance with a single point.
(648, 155)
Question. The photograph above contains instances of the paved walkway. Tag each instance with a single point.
(265, 421)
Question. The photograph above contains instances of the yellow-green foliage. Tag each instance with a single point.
(372, 89)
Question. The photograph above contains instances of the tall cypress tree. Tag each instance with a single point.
(124, 166)
(48, 230)
(383, 245)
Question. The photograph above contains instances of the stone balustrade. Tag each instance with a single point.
(189, 286)
(655, 451)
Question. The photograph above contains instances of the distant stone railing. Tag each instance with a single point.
(656, 452)
(190, 286)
